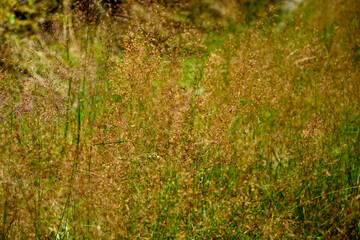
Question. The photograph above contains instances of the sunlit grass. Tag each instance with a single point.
(246, 132)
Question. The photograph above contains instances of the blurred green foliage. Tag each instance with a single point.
(25, 16)
(30, 16)
(20, 19)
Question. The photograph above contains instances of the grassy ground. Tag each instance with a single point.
(159, 132)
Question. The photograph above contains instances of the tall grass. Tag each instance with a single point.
(250, 131)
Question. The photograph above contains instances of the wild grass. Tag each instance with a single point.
(159, 131)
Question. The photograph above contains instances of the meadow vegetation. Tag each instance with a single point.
(194, 119)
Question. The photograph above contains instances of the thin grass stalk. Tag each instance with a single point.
(89, 181)
(81, 102)
(68, 109)
(5, 212)
(81, 97)
(4, 219)
(11, 132)
(67, 39)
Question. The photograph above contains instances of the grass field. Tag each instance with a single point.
(172, 129)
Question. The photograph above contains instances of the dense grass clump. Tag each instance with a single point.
(194, 120)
